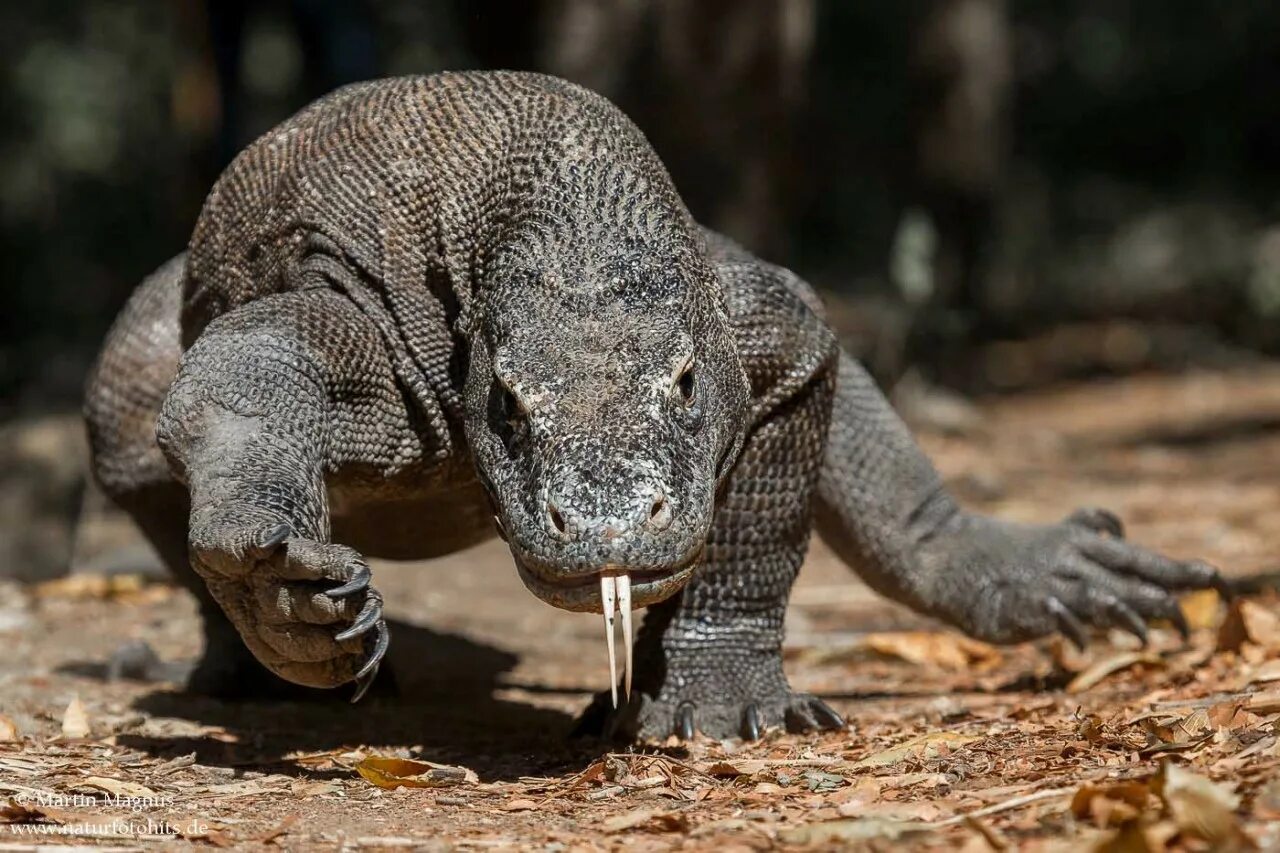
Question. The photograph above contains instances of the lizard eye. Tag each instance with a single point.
(685, 386)
(511, 410)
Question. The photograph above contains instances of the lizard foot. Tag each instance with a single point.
(1004, 582)
(645, 718)
(305, 609)
(719, 693)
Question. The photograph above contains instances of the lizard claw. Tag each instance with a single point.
(1180, 623)
(360, 577)
(828, 717)
(369, 616)
(1098, 520)
(273, 537)
(1068, 623)
(684, 721)
(1125, 617)
(363, 683)
(751, 722)
(380, 644)
(1225, 591)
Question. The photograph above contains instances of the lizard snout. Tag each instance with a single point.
(645, 509)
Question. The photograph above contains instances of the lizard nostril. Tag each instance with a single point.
(556, 518)
(660, 513)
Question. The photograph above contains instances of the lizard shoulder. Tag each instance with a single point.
(777, 321)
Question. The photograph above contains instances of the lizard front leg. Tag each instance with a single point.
(710, 659)
(250, 427)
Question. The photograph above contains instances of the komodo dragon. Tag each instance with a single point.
(428, 309)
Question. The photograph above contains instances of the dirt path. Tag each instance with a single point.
(940, 728)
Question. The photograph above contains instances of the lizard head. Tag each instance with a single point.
(605, 403)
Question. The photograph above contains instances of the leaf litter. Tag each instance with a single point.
(952, 744)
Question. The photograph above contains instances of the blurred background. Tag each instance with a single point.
(993, 196)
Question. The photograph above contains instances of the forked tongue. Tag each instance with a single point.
(615, 592)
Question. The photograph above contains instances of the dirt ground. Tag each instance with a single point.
(950, 744)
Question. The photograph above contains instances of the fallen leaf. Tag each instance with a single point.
(925, 745)
(722, 769)
(83, 586)
(1110, 805)
(1109, 666)
(1265, 703)
(278, 830)
(75, 720)
(1230, 716)
(1134, 837)
(16, 812)
(1201, 608)
(404, 772)
(1248, 622)
(942, 649)
(1269, 671)
(820, 782)
(1266, 805)
(243, 788)
(520, 805)
(305, 788)
(854, 829)
(117, 787)
(1201, 808)
(657, 819)
(8, 730)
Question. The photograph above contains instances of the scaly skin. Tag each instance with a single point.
(427, 308)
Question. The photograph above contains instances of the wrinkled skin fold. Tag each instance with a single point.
(425, 310)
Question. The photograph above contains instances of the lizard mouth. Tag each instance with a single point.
(610, 590)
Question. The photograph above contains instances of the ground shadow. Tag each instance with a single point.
(444, 707)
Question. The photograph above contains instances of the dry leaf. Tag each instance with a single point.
(304, 788)
(657, 819)
(1134, 837)
(1110, 805)
(735, 768)
(926, 745)
(1201, 808)
(75, 720)
(403, 772)
(1266, 805)
(1265, 703)
(1269, 671)
(16, 812)
(855, 829)
(1109, 666)
(84, 586)
(520, 805)
(1201, 608)
(1248, 622)
(117, 787)
(278, 830)
(943, 649)
(8, 730)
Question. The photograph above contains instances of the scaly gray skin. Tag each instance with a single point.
(425, 305)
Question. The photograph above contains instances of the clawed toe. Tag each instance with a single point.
(360, 578)
(685, 728)
(751, 722)
(365, 676)
(369, 616)
(274, 537)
